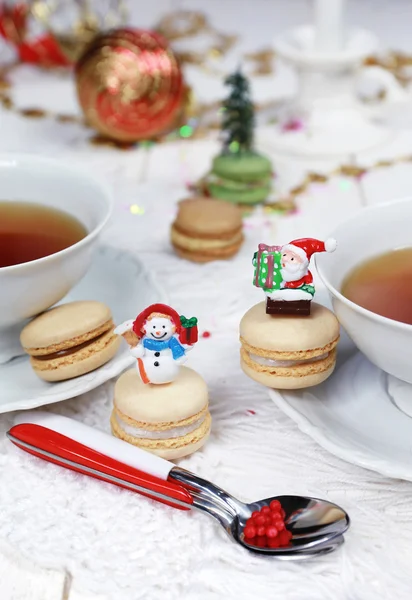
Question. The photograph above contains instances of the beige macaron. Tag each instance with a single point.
(288, 352)
(170, 420)
(207, 229)
(70, 340)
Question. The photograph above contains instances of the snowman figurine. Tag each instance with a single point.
(159, 340)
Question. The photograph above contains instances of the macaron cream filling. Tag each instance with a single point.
(194, 243)
(173, 432)
(270, 362)
(73, 349)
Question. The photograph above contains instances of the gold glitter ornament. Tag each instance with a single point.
(130, 85)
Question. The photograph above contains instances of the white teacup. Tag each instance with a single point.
(373, 231)
(30, 288)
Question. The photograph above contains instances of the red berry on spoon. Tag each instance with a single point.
(249, 532)
(271, 531)
(275, 506)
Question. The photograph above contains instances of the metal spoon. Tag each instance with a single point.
(317, 525)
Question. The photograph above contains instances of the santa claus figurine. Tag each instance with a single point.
(159, 340)
(283, 273)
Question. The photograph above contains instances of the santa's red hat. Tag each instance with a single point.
(305, 247)
(155, 308)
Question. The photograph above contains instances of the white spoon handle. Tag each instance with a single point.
(99, 441)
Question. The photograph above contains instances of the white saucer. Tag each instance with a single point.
(115, 278)
(360, 414)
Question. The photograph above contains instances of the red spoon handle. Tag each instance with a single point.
(66, 452)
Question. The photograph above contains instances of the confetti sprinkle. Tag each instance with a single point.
(135, 209)
(292, 125)
(234, 146)
(345, 185)
(206, 334)
(251, 412)
(186, 131)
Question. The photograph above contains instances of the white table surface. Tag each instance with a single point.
(69, 537)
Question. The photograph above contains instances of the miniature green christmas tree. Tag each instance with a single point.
(238, 115)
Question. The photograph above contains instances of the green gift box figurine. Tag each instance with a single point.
(283, 274)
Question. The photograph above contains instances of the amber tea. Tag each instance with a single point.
(29, 231)
(383, 285)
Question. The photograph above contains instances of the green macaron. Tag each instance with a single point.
(245, 166)
(242, 178)
(237, 191)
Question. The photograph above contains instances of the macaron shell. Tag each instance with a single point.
(208, 218)
(289, 337)
(170, 403)
(191, 242)
(246, 196)
(169, 449)
(52, 330)
(202, 250)
(248, 166)
(210, 255)
(80, 362)
(296, 371)
(287, 383)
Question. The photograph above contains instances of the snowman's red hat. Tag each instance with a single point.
(305, 247)
(162, 309)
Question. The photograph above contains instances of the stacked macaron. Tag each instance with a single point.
(70, 340)
(168, 420)
(244, 178)
(207, 229)
(288, 352)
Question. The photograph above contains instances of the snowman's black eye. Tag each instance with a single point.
(164, 326)
(284, 254)
(154, 326)
(292, 259)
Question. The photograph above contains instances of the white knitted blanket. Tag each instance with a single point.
(65, 536)
(96, 539)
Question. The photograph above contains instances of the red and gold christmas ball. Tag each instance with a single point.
(130, 85)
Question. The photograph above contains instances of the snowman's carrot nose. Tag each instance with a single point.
(157, 332)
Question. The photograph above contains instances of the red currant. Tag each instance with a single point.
(283, 538)
(279, 525)
(260, 520)
(249, 532)
(282, 512)
(265, 510)
(271, 531)
(260, 541)
(261, 530)
(255, 514)
(273, 542)
(275, 506)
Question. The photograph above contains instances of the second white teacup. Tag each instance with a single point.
(373, 231)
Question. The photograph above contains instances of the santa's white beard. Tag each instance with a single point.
(294, 272)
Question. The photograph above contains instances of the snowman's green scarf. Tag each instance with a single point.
(157, 346)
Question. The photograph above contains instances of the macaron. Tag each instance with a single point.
(70, 340)
(207, 229)
(170, 420)
(288, 352)
(240, 178)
